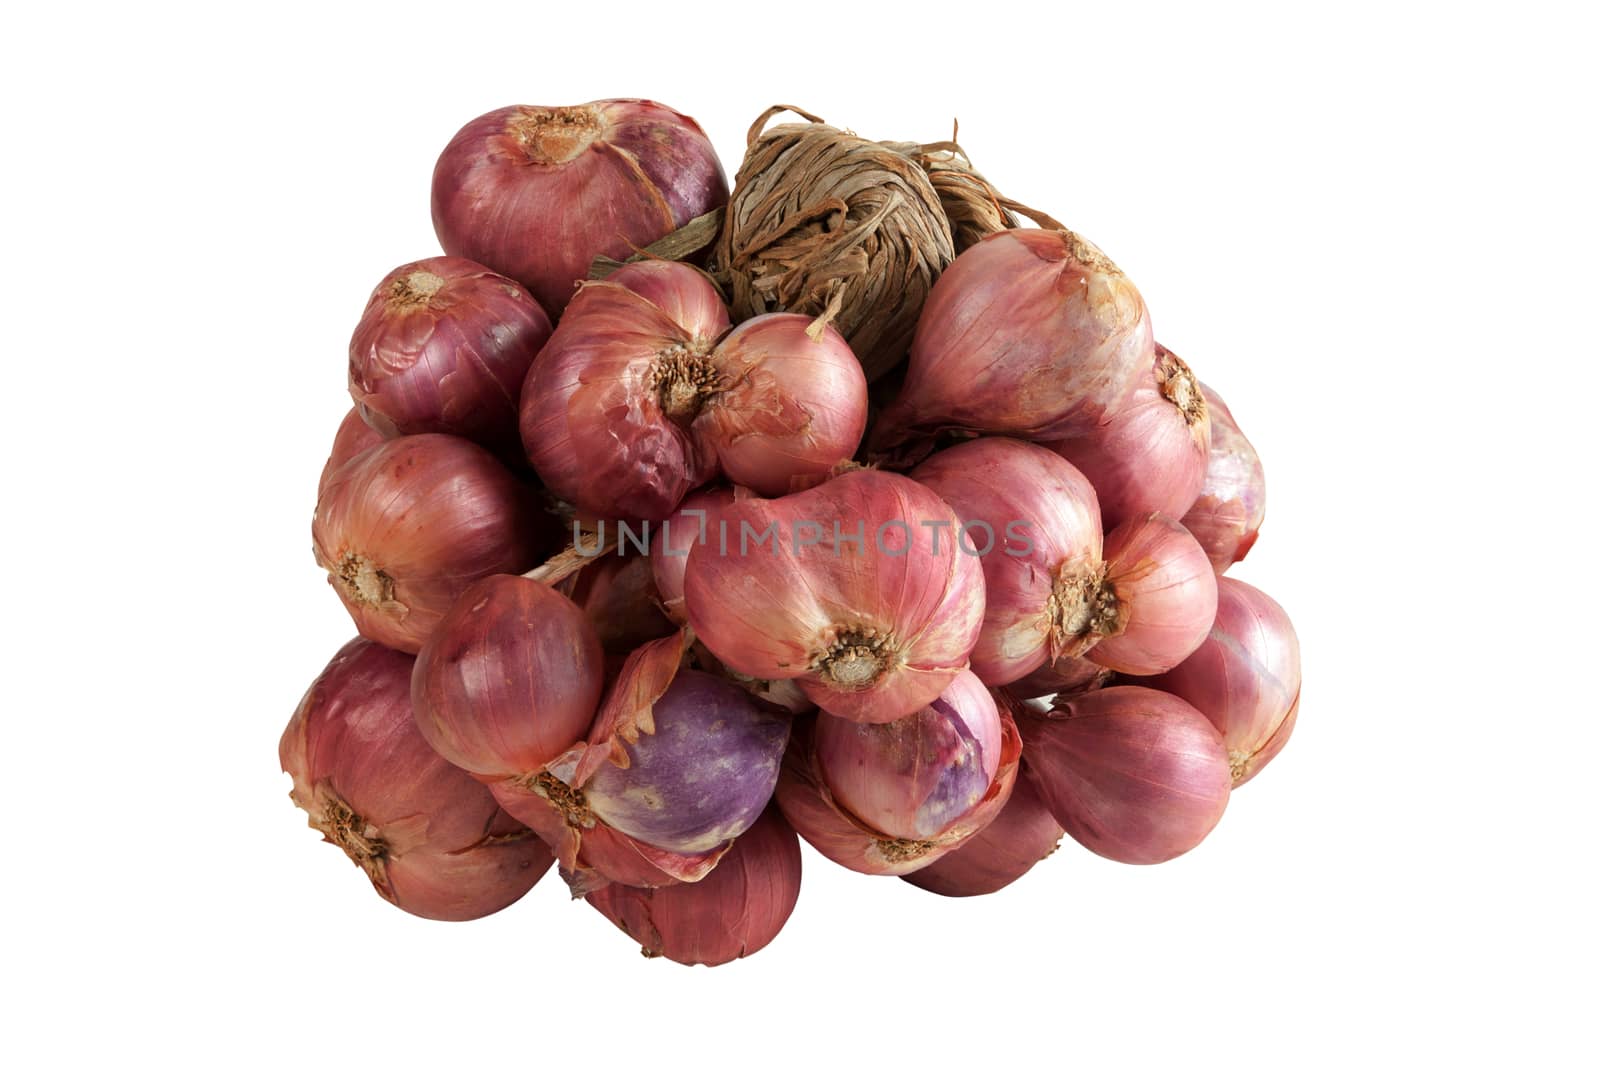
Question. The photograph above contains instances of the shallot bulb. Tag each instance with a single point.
(1233, 495)
(404, 527)
(856, 589)
(1021, 835)
(537, 193)
(915, 776)
(1151, 453)
(732, 912)
(352, 438)
(1134, 774)
(509, 679)
(1158, 598)
(1245, 678)
(837, 831)
(443, 347)
(634, 402)
(1042, 567)
(1030, 333)
(430, 838)
(677, 765)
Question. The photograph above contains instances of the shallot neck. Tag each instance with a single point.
(555, 135)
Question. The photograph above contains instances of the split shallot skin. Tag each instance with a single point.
(1029, 333)
(404, 527)
(732, 912)
(1245, 677)
(430, 838)
(1227, 515)
(443, 347)
(852, 594)
(677, 764)
(1132, 773)
(537, 193)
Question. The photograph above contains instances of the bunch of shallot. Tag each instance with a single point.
(680, 524)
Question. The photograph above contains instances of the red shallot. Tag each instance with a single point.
(1038, 518)
(1137, 775)
(1245, 678)
(430, 838)
(537, 193)
(443, 347)
(1158, 599)
(404, 527)
(1031, 333)
(856, 589)
(732, 912)
(1150, 454)
(352, 438)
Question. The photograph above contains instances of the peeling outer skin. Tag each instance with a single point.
(594, 853)
(809, 807)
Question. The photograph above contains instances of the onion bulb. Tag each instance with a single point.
(1029, 333)
(732, 912)
(537, 193)
(677, 765)
(1134, 774)
(634, 401)
(1233, 495)
(856, 589)
(443, 347)
(1158, 599)
(921, 787)
(1245, 677)
(430, 838)
(404, 527)
(1043, 568)
(509, 679)
(352, 438)
(1151, 453)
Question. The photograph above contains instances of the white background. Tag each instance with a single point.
(1373, 229)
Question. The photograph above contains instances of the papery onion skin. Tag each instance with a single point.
(1029, 333)
(431, 839)
(404, 527)
(1227, 515)
(697, 520)
(708, 734)
(443, 347)
(1133, 774)
(1151, 453)
(676, 756)
(537, 193)
(1166, 595)
(1044, 564)
(809, 806)
(1021, 835)
(870, 632)
(1245, 677)
(917, 775)
(607, 407)
(352, 438)
(732, 912)
(790, 408)
(510, 678)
